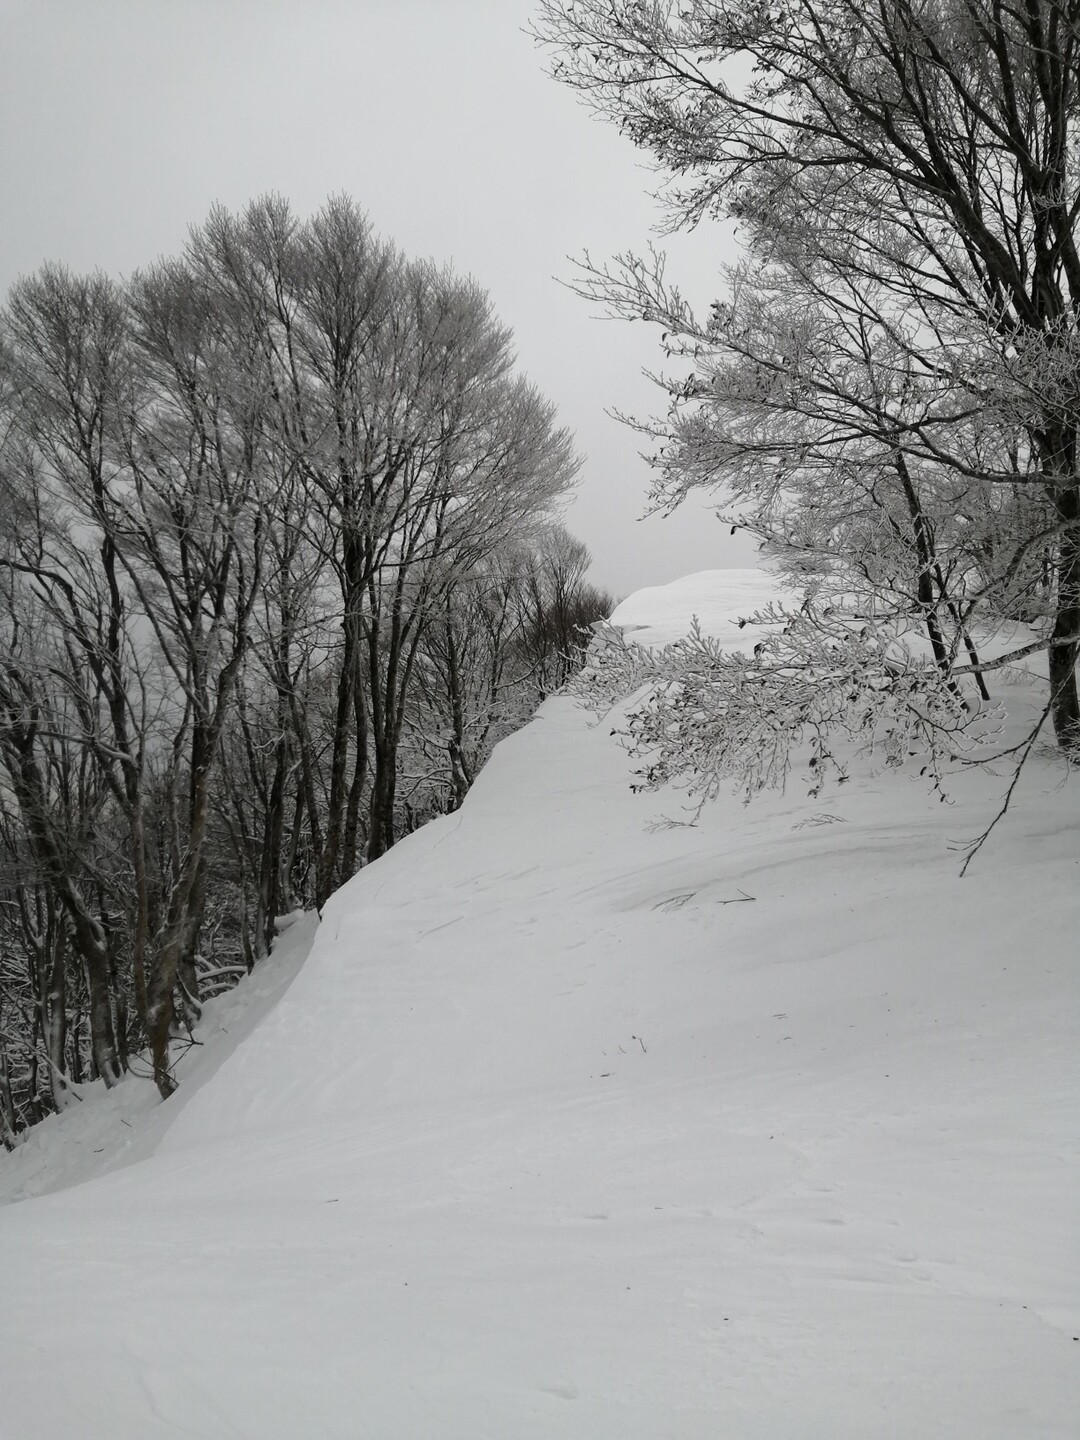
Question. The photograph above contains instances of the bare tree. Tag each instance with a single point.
(191, 532)
(67, 686)
(242, 490)
(560, 608)
(914, 164)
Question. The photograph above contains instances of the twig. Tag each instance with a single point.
(675, 902)
(974, 848)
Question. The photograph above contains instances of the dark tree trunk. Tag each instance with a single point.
(923, 539)
(103, 1043)
(267, 905)
(54, 1015)
(1065, 637)
(8, 1120)
(188, 999)
(460, 779)
(351, 845)
(335, 815)
(381, 833)
(177, 947)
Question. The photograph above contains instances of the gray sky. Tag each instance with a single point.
(123, 121)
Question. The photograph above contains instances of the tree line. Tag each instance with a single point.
(280, 563)
(887, 393)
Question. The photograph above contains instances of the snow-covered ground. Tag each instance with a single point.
(103, 1130)
(575, 1126)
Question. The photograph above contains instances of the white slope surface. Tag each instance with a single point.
(102, 1130)
(573, 1126)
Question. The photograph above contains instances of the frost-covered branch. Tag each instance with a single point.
(705, 718)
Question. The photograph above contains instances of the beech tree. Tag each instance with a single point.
(490, 465)
(907, 184)
(419, 452)
(190, 529)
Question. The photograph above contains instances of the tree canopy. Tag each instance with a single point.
(886, 394)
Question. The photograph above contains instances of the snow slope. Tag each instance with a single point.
(573, 1126)
(104, 1130)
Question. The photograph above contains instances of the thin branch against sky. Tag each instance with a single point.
(122, 123)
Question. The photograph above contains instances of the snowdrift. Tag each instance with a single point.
(579, 1124)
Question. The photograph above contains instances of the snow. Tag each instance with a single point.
(576, 1124)
(661, 613)
(102, 1130)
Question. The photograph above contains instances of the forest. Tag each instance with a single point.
(281, 563)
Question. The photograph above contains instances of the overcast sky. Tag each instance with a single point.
(123, 121)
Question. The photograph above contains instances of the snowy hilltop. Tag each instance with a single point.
(579, 1123)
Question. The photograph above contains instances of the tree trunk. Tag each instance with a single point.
(187, 973)
(9, 1137)
(103, 1044)
(922, 537)
(328, 860)
(1065, 638)
(383, 799)
(54, 1015)
(87, 933)
(267, 903)
(181, 925)
(351, 844)
(141, 932)
(460, 779)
